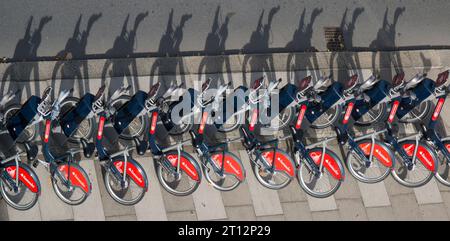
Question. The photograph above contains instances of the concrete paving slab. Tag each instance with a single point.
(177, 203)
(208, 202)
(51, 207)
(266, 202)
(271, 218)
(122, 218)
(326, 216)
(394, 188)
(446, 199)
(374, 195)
(241, 213)
(238, 197)
(322, 204)
(380, 214)
(434, 212)
(352, 210)
(151, 207)
(3, 211)
(182, 216)
(405, 207)
(292, 193)
(34, 214)
(92, 208)
(428, 193)
(296, 211)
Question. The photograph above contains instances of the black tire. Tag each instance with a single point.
(86, 128)
(33, 196)
(29, 134)
(263, 180)
(219, 184)
(333, 114)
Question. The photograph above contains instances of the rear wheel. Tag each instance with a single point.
(320, 185)
(419, 174)
(72, 195)
(283, 119)
(131, 192)
(232, 123)
(85, 129)
(443, 169)
(29, 133)
(226, 181)
(24, 198)
(376, 171)
(177, 183)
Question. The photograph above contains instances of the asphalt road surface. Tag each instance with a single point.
(112, 28)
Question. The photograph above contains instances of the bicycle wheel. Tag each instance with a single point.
(330, 178)
(80, 186)
(232, 123)
(373, 116)
(137, 126)
(29, 133)
(134, 186)
(327, 118)
(29, 187)
(233, 173)
(182, 127)
(443, 169)
(419, 113)
(380, 166)
(282, 173)
(423, 169)
(85, 129)
(283, 119)
(181, 183)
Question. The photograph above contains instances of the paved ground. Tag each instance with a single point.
(30, 29)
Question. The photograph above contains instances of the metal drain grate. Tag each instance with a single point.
(334, 39)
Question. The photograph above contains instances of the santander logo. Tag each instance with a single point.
(173, 159)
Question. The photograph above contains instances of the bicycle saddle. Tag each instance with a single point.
(141, 146)
(442, 78)
(398, 80)
(88, 147)
(322, 84)
(351, 83)
(369, 83)
(414, 81)
(304, 84)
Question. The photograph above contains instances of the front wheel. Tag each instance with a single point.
(85, 128)
(443, 169)
(29, 133)
(327, 118)
(328, 180)
(418, 113)
(378, 168)
(423, 167)
(281, 170)
(71, 183)
(182, 181)
(127, 189)
(232, 174)
(28, 187)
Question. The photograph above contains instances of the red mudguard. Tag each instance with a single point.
(132, 171)
(423, 155)
(24, 177)
(282, 163)
(76, 177)
(379, 152)
(329, 163)
(185, 165)
(231, 165)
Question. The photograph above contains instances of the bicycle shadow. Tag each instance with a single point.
(22, 74)
(119, 69)
(215, 44)
(69, 71)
